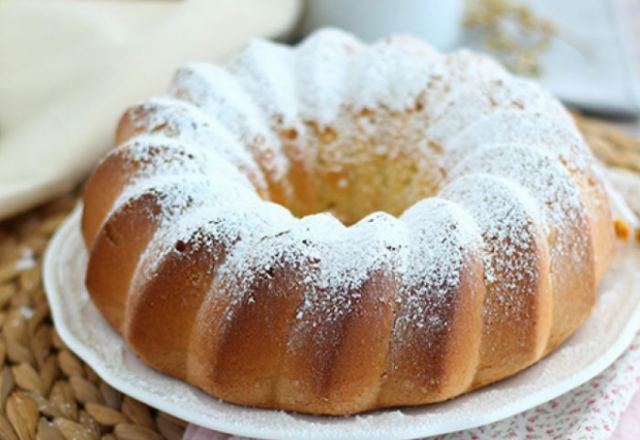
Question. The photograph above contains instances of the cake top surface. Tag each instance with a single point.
(504, 152)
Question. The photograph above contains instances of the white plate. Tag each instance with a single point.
(594, 347)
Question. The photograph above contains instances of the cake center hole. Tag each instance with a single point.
(368, 162)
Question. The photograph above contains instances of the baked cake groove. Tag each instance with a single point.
(333, 227)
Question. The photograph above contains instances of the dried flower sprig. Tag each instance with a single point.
(512, 32)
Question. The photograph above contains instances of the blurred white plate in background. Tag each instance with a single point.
(437, 21)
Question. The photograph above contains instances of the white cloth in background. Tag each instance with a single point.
(68, 69)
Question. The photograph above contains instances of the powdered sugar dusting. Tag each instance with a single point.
(374, 128)
(270, 84)
(547, 181)
(594, 346)
(392, 74)
(508, 218)
(327, 54)
(442, 238)
(560, 140)
(344, 260)
(471, 103)
(219, 94)
(177, 119)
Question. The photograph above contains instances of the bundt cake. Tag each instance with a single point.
(334, 227)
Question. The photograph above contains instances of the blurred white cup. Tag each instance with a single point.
(437, 21)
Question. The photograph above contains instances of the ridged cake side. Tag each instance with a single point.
(211, 255)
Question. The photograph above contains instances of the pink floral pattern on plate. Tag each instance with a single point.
(590, 412)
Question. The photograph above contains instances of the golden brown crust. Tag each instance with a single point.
(115, 253)
(598, 211)
(515, 331)
(238, 360)
(132, 125)
(162, 309)
(100, 193)
(335, 364)
(249, 357)
(246, 340)
(440, 362)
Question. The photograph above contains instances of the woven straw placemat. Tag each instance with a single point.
(47, 393)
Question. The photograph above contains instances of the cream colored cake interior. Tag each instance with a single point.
(355, 171)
